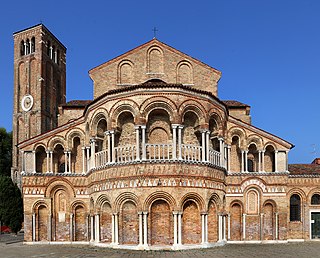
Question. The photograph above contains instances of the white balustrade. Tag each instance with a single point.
(125, 153)
(214, 157)
(159, 151)
(101, 158)
(191, 152)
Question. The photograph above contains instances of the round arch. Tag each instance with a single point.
(159, 195)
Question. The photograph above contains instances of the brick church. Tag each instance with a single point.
(155, 160)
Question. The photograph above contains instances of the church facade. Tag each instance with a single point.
(155, 160)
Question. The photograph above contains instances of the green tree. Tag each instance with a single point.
(5, 152)
(11, 207)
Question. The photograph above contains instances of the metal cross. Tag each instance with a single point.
(154, 32)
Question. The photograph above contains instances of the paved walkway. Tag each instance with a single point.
(11, 246)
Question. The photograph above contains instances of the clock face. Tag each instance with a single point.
(27, 102)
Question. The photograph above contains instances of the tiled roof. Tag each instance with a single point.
(304, 169)
(77, 103)
(234, 103)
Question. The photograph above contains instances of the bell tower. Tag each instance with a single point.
(39, 86)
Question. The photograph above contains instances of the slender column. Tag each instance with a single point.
(229, 227)
(48, 161)
(25, 48)
(261, 226)
(113, 153)
(69, 161)
(22, 162)
(287, 157)
(259, 161)
(83, 159)
(65, 161)
(140, 214)
(49, 226)
(51, 161)
(242, 161)
(107, 133)
(275, 161)
(246, 159)
(116, 229)
(277, 225)
(93, 152)
(202, 229)
(229, 158)
(179, 229)
(220, 227)
(174, 141)
(145, 228)
(206, 228)
(221, 145)
(97, 228)
(224, 228)
(207, 145)
(112, 230)
(34, 162)
(180, 127)
(203, 143)
(244, 227)
(144, 154)
(262, 153)
(33, 227)
(92, 228)
(137, 142)
(175, 228)
(71, 227)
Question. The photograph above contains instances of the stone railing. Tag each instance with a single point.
(191, 152)
(125, 154)
(158, 151)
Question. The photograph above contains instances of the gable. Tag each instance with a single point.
(154, 60)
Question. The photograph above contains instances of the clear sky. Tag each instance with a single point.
(268, 51)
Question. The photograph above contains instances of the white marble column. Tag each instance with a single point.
(224, 228)
(69, 162)
(277, 225)
(261, 226)
(179, 229)
(23, 162)
(137, 128)
(259, 161)
(144, 151)
(246, 160)
(221, 146)
(113, 152)
(71, 227)
(229, 227)
(33, 227)
(48, 161)
(174, 141)
(242, 161)
(93, 152)
(49, 228)
(97, 228)
(229, 158)
(65, 161)
(34, 162)
(275, 161)
(175, 228)
(180, 127)
(145, 228)
(207, 145)
(116, 228)
(140, 214)
(51, 161)
(107, 133)
(243, 227)
(204, 227)
(220, 227)
(203, 145)
(84, 160)
(92, 228)
(262, 156)
(112, 230)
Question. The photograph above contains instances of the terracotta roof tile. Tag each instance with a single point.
(234, 103)
(304, 169)
(77, 103)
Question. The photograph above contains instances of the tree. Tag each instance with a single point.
(11, 207)
(5, 152)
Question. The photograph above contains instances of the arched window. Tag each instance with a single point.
(33, 44)
(49, 48)
(315, 199)
(295, 208)
(250, 165)
(22, 48)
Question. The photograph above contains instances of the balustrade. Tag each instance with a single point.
(125, 153)
(191, 152)
(101, 158)
(214, 157)
(159, 151)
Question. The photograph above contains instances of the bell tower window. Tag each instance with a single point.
(22, 48)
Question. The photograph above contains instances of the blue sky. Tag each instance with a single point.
(268, 51)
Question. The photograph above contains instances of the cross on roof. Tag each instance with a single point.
(154, 32)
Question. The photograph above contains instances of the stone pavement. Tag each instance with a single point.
(12, 246)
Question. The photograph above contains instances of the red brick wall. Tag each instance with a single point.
(80, 224)
(212, 223)
(268, 228)
(235, 222)
(42, 223)
(129, 224)
(191, 224)
(106, 223)
(160, 224)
